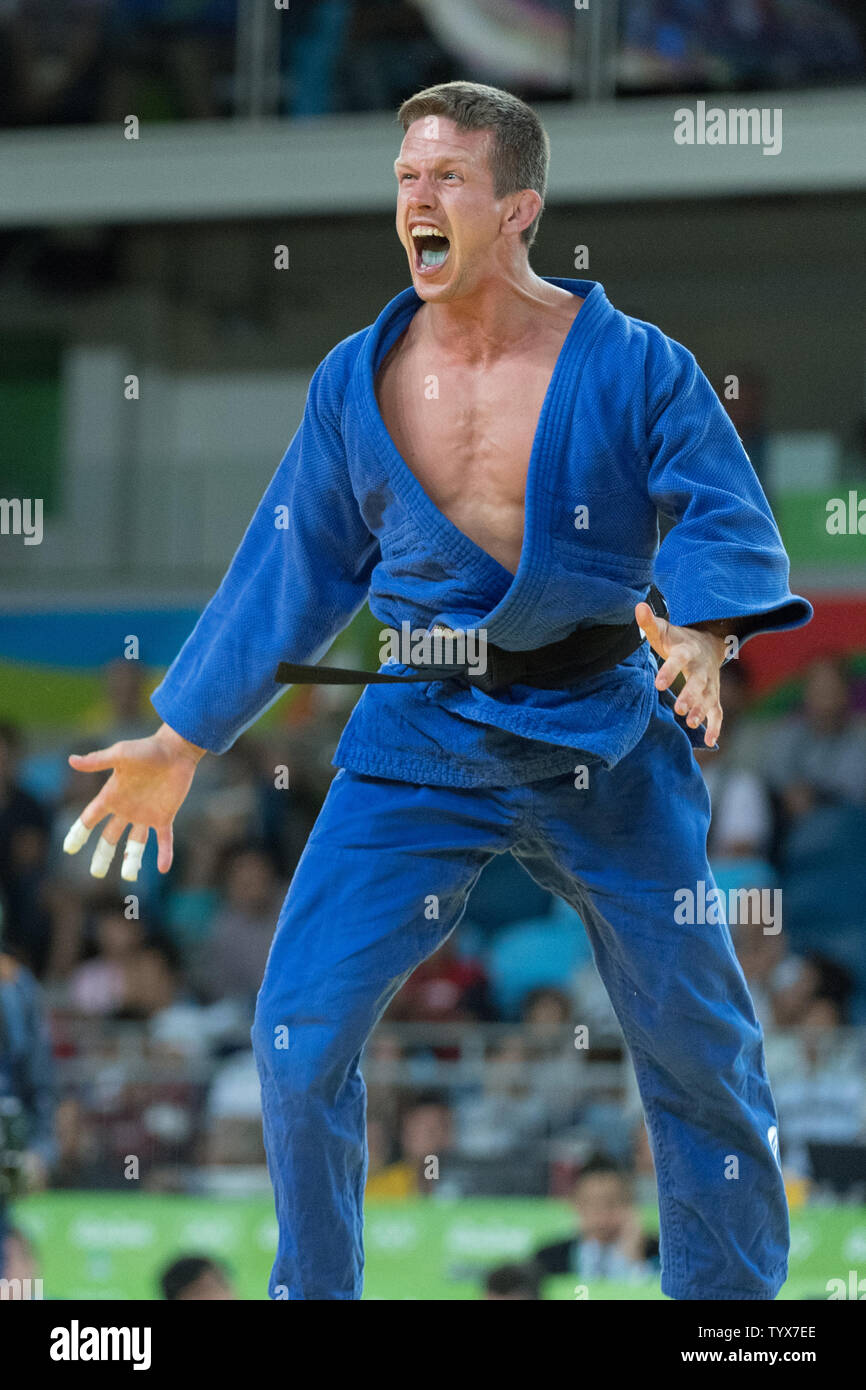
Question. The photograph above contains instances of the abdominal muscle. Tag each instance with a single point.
(466, 432)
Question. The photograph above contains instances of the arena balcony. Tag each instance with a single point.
(136, 110)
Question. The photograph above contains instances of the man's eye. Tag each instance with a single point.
(404, 177)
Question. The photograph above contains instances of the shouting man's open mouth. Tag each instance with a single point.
(431, 248)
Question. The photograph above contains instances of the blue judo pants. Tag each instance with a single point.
(353, 928)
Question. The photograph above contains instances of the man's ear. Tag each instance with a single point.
(524, 208)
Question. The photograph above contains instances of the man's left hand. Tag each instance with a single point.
(695, 654)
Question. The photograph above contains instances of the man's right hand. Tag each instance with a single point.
(149, 780)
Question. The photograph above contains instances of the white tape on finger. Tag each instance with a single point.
(77, 835)
(132, 857)
(102, 857)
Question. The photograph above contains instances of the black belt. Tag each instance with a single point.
(585, 652)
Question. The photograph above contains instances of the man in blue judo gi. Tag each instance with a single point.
(491, 457)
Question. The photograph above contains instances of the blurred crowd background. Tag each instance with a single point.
(96, 60)
(501, 1056)
(126, 1014)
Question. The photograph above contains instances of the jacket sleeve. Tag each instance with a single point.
(723, 556)
(299, 575)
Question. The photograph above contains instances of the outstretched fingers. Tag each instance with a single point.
(165, 847)
(655, 629)
(106, 803)
(102, 760)
(77, 835)
(80, 831)
(714, 726)
(669, 671)
(106, 846)
(133, 853)
(694, 701)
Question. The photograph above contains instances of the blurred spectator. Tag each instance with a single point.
(593, 1009)
(187, 1031)
(24, 840)
(381, 1155)
(818, 1082)
(168, 60)
(819, 754)
(555, 1062)
(132, 975)
(314, 36)
(816, 978)
(610, 1243)
(68, 906)
(744, 733)
(426, 1138)
(154, 986)
(444, 989)
(27, 1084)
(226, 809)
(742, 824)
(382, 1063)
(509, 1112)
(106, 983)
(52, 61)
(692, 45)
(390, 54)
(83, 1160)
(508, 1283)
(231, 963)
(123, 711)
(100, 60)
(192, 897)
(545, 1010)
(196, 1278)
(234, 1113)
(771, 972)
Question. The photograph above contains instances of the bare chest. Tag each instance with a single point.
(467, 436)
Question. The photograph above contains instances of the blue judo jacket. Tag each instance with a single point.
(630, 428)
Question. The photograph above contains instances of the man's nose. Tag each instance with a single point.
(422, 193)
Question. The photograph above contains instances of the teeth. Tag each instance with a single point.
(430, 256)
